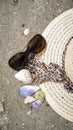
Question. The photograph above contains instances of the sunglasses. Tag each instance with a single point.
(20, 59)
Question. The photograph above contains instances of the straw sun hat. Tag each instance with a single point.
(58, 35)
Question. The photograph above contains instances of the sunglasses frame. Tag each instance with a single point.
(20, 59)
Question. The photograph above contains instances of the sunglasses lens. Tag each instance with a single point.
(17, 61)
(36, 44)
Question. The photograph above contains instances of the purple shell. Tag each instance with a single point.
(36, 104)
(28, 90)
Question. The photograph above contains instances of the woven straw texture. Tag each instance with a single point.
(57, 34)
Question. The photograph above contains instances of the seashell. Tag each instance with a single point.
(29, 99)
(1, 107)
(26, 31)
(28, 90)
(36, 104)
(25, 76)
(39, 95)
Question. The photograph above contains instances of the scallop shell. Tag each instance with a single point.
(25, 76)
(28, 90)
(29, 99)
(36, 104)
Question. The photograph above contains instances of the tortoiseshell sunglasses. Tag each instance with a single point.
(20, 59)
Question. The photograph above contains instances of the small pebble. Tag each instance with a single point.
(57, 4)
(2, 106)
(23, 125)
(29, 112)
(46, 2)
(23, 25)
(52, 125)
(59, 11)
(14, 12)
(26, 31)
(29, 99)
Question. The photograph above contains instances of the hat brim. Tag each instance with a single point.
(57, 34)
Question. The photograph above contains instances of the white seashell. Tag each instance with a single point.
(25, 76)
(26, 31)
(29, 99)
